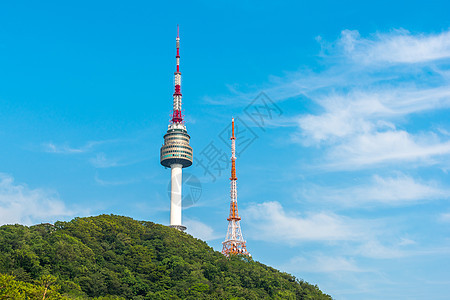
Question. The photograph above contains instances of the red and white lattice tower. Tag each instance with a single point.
(234, 241)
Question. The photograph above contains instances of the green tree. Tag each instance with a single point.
(114, 257)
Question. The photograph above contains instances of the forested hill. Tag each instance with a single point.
(115, 257)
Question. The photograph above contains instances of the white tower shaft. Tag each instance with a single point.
(175, 195)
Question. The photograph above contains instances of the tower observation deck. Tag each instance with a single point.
(176, 153)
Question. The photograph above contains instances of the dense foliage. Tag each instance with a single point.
(114, 257)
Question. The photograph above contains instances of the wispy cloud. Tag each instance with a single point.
(444, 217)
(104, 182)
(395, 64)
(103, 153)
(51, 147)
(320, 263)
(353, 238)
(101, 161)
(201, 230)
(374, 249)
(357, 112)
(20, 204)
(396, 248)
(398, 46)
(391, 190)
(374, 86)
(270, 222)
(62, 149)
(390, 146)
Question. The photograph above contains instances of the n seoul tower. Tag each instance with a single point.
(234, 241)
(176, 153)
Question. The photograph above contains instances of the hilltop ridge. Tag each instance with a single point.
(116, 257)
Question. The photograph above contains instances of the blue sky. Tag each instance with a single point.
(342, 177)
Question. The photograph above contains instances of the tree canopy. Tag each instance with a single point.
(116, 257)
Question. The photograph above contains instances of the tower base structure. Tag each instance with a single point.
(179, 227)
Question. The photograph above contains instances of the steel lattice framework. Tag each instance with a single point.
(234, 241)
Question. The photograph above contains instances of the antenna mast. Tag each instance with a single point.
(177, 117)
(234, 241)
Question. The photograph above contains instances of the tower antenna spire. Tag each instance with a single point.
(177, 117)
(234, 241)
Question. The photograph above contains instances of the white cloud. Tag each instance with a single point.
(392, 190)
(383, 63)
(121, 152)
(328, 126)
(20, 204)
(374, 249)
(399, 46)
(359, 128)
(372, 87)
(115, 182)
(362, 111)
(101, 161)
(356, 238)
(386, 147)
(444, 217)
(394, 248)
(62, 149)
(321, 264)
(400, 189)
(406, 242)
(268, 221)
(201, 230)
(66, 149)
